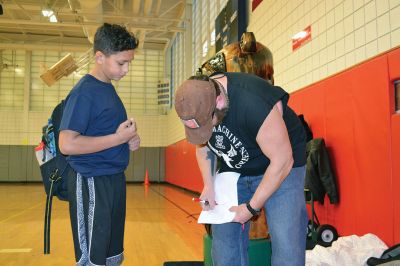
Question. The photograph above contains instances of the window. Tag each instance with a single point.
(212, 40)
(205, 49)
(138, 89)
(12, 75)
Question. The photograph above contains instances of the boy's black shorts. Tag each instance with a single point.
(97, 212)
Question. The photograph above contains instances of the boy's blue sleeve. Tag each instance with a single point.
(77, 113)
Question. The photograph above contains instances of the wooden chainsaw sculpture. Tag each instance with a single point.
(248, 56)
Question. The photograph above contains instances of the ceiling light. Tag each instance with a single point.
(53, 18)
(47, 12)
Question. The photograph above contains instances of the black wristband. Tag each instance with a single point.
(251, 210)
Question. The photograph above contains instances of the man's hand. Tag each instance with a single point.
(242, 213)
(208, 195)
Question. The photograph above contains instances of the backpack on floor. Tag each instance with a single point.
(54, 167)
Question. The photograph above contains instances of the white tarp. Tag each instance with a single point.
(347, 251)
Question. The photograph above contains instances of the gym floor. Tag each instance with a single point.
(161, 225)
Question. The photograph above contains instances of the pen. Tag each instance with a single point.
(200, 200)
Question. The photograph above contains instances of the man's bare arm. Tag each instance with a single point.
(207, 162)
(274, 141)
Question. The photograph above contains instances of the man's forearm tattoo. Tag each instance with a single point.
(211, 157)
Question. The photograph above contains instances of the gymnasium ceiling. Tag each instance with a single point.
(22, 25)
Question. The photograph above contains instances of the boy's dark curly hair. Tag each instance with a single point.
(112, 38)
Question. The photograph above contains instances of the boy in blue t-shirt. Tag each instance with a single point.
(97, 135)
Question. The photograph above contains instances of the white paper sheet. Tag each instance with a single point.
(225, 187)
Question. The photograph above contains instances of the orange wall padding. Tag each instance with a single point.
(351, 112)
(354, 112)
(396, 175)
(181, 167)
(394, 74)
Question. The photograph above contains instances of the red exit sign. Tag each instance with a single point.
(301, 38)
(255, 4)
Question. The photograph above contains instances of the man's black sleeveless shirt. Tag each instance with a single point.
(234, 140)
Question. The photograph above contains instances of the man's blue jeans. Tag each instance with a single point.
(287, 223)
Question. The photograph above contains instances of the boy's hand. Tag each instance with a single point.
(133, 123)
(126, 130)
(134, 143)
